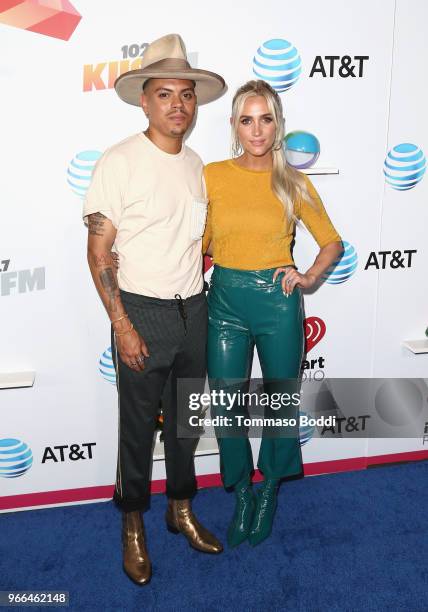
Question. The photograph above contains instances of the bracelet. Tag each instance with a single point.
(125, 316)
(125, 332)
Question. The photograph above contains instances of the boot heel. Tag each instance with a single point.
(171, 529)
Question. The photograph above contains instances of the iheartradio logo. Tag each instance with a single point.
(315, 329)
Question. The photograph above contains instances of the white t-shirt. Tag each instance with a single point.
(156, 201)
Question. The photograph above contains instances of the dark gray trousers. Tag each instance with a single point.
(176, 336)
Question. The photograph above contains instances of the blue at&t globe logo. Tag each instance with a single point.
(278, 63)
(16, 458)
(106, 366)
(343, 267)
(305, 431)
(404, 166)
(79, 172)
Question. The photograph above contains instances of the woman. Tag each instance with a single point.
(255, 296)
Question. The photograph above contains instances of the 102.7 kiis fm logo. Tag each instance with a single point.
(103, 74)
(20, 281)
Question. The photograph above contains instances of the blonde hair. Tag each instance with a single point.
(288, 184)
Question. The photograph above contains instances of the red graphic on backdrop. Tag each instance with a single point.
(315, 329)
(208, 263)
(56, 18)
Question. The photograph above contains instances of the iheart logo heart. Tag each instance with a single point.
(208, 263)
(314, 331)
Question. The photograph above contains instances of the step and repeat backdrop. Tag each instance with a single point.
(349, 74)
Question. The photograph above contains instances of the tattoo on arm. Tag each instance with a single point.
(101, 261)
(96, 224)
(109, 283)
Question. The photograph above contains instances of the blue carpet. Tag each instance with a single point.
(354, 541)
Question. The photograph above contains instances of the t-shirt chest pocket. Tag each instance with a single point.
(198, 217)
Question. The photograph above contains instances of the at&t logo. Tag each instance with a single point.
(72, 452)
(79, 172)
(339, 65)
(305, 431)
(344, 267)
(106, 366)
(395, 259)
(278, 63)
(404, 166)
(16, 458)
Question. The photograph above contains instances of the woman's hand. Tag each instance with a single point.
(327, 255)
(292, 278)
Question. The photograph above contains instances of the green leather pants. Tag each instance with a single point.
(245, 310)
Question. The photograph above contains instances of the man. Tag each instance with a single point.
(147, 199)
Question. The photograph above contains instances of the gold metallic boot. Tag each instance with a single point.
(136, 562)
(180, 519)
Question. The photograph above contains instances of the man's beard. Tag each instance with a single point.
(178, 131)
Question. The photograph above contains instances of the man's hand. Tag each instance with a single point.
(132, 349)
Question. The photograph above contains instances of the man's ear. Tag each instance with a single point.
(144, 103)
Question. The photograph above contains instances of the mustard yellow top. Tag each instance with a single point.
(246, 222)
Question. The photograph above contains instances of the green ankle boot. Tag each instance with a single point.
(265, 510)
(242, 519)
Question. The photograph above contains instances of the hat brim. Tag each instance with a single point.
(208, 85)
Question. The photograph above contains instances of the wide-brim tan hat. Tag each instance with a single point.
(166, 58)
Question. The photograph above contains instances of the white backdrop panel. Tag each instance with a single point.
(60, 329)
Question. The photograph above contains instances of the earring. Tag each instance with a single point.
(236, 148)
